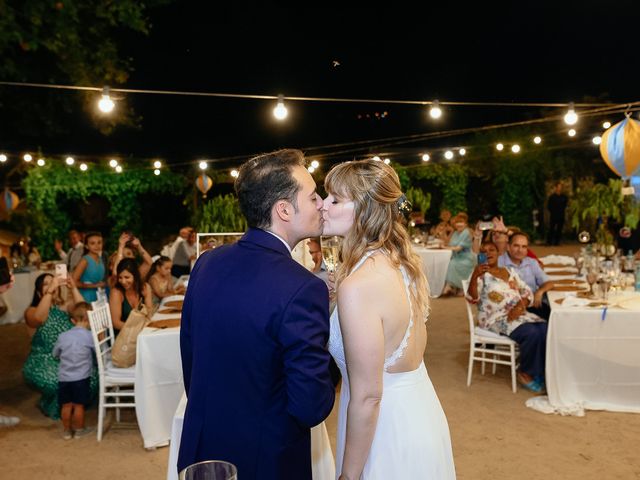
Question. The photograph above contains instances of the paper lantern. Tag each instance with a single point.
(9, 201)
(620, 148)
(204, 183)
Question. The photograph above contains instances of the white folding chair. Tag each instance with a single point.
(115, 383)
(504, 351)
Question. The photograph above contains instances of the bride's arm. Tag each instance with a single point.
(363, 339)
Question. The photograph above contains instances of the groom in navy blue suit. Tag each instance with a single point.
(255, 325)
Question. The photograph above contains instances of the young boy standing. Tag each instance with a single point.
(75, 350)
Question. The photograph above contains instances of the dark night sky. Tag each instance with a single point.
(492, 51)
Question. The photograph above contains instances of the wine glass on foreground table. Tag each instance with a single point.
(210, 470)
(592, 277)
(330, 247)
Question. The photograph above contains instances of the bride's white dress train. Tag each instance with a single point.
(412, 438)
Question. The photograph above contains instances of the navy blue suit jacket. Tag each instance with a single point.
(253, 337)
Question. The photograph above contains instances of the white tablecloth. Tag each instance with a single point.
(436, 263)
(593, 363)
(19, 297)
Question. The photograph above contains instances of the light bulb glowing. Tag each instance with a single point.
(280, 111)
(315, 164)
(377, 158)
(597, 140)
(105, 104)
(157, 164)
(27, 158)
(69, 160)
(435, 111)
(387, 161)
(448, 154)
(118, 169)
(537, 140)
(462, 152)
(571, 133)
(3, 157)
(40, 162)
(499, 147)
(202, 165)
(606, 125)
(311, 169)
(113, 163)
(515, 148)
(83, 167)
(234, 173)
(425, 157)
(571, 116)
(156, 171)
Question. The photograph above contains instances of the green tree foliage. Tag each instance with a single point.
(48, 187)
(419, 199)
(66, 41)
(221, 214)
(450, 179)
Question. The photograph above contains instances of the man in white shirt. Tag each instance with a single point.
(75, 253)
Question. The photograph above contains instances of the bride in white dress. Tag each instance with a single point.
(390, 423)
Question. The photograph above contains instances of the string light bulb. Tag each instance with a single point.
(280, 111)
(606, 125)
(462, 152)
(448, 154)
(3, 157)
(113, 163)
(157, 164)
(234, 173)
(597, 140)
(156, 172)
(499, 147)
(571, 117)
(105, 104)
(515, 148)
(435, 111)
(69, 161)
(377, 158)
(27, 158)
(387, 161)
(315, 164)
(83, 167)
(425, 157)
(202, 165)
(571, 133)
(537, 140)
(41, 162)
(118, 169)
(311, 169)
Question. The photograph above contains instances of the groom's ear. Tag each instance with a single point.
(283, 210)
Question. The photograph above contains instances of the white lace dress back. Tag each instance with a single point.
(412, 438)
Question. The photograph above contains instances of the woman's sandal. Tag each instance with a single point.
(532, 386)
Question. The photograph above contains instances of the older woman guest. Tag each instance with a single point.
(462, 259)
(502, 298)
(48, 315)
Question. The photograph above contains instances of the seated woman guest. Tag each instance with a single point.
(161, 281)
(129, 293)
(502, 299)
(462, 259)
(128, 245)
(48, 315)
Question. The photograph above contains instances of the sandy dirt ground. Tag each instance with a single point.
(494, 435)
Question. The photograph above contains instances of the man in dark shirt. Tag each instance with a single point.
(556, 205)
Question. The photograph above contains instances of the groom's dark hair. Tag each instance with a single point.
(265, 179)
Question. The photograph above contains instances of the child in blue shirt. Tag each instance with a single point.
(75, 350)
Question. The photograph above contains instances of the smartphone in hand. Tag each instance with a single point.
(482, 258)
(61, 270)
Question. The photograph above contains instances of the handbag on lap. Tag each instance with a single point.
(123, 353)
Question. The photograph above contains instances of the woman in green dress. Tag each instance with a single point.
(463, 260)
(48, 316)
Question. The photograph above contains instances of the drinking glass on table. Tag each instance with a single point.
(330, 247)
(210, 470)
(592, 277)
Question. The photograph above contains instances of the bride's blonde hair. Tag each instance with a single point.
(374, 188)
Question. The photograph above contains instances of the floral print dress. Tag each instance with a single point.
(497, 297)
(40, 370)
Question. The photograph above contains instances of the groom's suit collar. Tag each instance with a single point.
(265, 239)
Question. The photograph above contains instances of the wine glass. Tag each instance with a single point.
(592, 277)
(330, 247)
(210, 470)
(605, 285)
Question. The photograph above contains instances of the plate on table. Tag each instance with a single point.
(555, 265)
(561, 273)
(165, 323)
(569, 288)
(173, 304)
(169, 310)
(568, 281)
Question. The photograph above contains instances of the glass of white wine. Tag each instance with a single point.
(330, 247)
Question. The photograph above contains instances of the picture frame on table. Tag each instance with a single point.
(208, 241)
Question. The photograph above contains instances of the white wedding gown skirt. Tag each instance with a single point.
(412, 438)
(323, 466)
